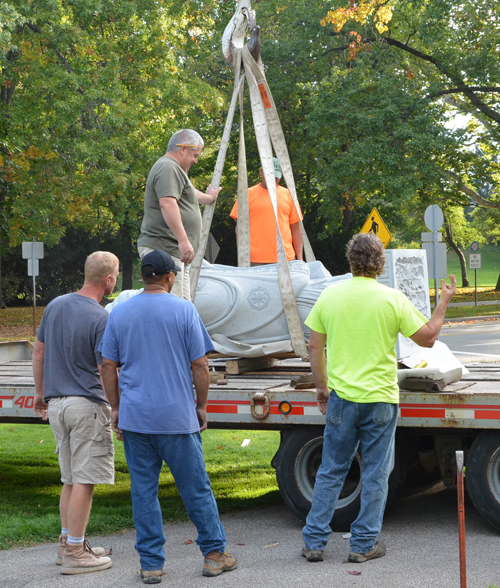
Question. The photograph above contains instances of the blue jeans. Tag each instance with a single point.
(371, 426)
(183, 454)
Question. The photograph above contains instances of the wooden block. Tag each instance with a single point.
(282, 355)
(423, 385)
(249, 364)
(216, 376)
(304, 382)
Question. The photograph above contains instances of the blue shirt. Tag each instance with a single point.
(155, 337)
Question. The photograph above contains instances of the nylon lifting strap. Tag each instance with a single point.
(266, 158)
(267, 128)
(277, 137)
(208, 213)
(243, 238)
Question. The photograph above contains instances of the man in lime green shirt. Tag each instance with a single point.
(357, 389)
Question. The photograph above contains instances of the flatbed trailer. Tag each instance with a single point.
(432, 425)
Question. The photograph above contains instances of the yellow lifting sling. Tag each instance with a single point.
(269, 134)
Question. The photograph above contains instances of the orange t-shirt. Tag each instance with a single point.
(263, 247)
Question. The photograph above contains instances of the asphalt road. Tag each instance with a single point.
(420, 533)
(472, 342)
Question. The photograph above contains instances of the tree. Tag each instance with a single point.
(91, 92)
(367, 101)
(450, 48)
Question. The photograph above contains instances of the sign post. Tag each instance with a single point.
(475, 263)
(33, 251)
(374, 224)
(434, 221)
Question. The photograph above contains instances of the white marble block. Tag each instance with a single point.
(406, 270)
(242, 310)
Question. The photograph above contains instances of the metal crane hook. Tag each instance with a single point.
(235, 32)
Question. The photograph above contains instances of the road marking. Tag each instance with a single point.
(468, 331)
(470, 353)
(480, 344)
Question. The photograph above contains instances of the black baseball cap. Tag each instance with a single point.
(161, 263)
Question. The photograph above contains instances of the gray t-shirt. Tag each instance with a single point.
(71, 329)
(168, 179)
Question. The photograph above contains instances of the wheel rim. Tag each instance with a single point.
(306, 468)
(494, 475)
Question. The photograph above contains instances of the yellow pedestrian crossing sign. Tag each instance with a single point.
(374, 224)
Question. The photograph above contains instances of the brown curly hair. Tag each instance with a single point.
(365, 253)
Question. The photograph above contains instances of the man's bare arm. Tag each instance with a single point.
(317, 357)
(426, 336)
(172, 216)
(208, 197)
(110, 380)
(40, 407)
(297, 241)
(201, 380)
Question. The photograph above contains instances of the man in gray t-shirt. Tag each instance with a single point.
(72, 328)
(68, 390)
(172, 219)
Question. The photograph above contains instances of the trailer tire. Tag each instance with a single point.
(482, 476)
(297, 463)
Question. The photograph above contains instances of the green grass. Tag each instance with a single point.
(490, 266)
(492, 311)
(467, 294)
(242, 478)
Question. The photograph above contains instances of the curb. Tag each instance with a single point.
(464, 319)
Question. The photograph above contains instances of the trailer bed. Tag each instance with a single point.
(266, 399)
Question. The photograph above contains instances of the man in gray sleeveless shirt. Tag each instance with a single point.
(66, 368)
(172, 219)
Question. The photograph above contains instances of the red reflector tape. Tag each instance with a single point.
(220, 408)
(423, 413)
(488, 414)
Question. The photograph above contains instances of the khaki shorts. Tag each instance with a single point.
(181, 287)
(84, 440)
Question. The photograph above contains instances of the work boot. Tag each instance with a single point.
(151, 576)
(80, 559)
(377, 551)
(217, 562)
(99, 551)
(312, 554)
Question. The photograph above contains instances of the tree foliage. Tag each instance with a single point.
(450, 49)
(91, 91)
(367, 96)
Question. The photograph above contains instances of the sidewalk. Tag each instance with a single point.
(465, 319)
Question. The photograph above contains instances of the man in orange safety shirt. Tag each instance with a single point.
(263, 247)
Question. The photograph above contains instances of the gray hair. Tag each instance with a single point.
(186, 137)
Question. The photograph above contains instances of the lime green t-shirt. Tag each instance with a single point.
(361, 319)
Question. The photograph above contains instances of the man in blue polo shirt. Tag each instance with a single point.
(161, 344)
